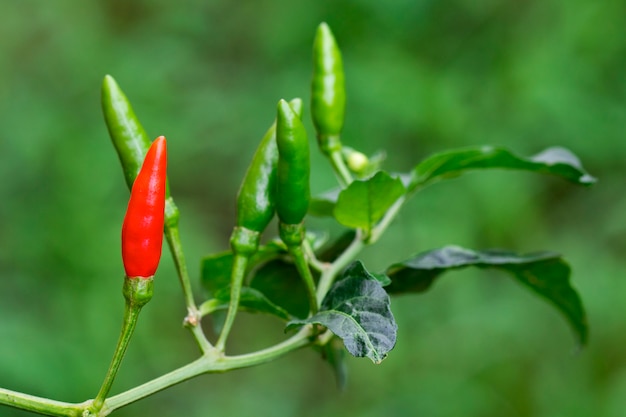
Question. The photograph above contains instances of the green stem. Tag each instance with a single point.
(39, 405)
(380, 228)
(131, 314)
(192, 320)
(315, 263)
(329, 275)
(305, 273)
(331, 147)
(342, 171)
(172, 235)
(202, 365)
(198, 333)
(240, 262)
(208, 364)
(164, 381)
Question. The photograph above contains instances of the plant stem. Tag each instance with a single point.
(202, 365)
(172, 235)
(329, 275)
(305, 273)
(312, 259)
(39, 405)
(380, 228)
(198, 333)
(342, 171)
(240, 262)
(174, 377)
(208, 364)
(131, 314)
(192, 320)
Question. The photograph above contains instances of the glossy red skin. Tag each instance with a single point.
(142, 231)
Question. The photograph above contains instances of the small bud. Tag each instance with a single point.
(357, 161)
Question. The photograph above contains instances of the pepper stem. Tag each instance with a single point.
(244, 243)
(240, 262)
(137, 292)
(39, 405)
(172, 235)
(293, 236)
(330, 146)
(192, 321)
(305, 273)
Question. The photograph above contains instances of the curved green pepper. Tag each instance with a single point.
(256, 202)
(293, 193)
(328, 99)
(256, 197)
(130, 139)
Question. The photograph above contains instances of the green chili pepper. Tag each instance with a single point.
(255, 209)
(129, 139)
(292, 196)
(255, 200)
(328, 100)
(292, 190)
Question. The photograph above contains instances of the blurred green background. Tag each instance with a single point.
(422, 76)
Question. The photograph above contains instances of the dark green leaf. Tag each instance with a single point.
(278, 280)
(281, 283)
(545, 273)
(334, 353)
(251, 300)
(357, 309)
(555, 161)
(364, 203)
(215, 269)
(357, 269)
(330, 252)
(382, 278)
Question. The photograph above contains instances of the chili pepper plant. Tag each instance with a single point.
(321, 290)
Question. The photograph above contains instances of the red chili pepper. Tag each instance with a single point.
(142, 231)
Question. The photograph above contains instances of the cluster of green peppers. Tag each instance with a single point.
(277, 180)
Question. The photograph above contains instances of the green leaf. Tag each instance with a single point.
(357, 309)
(215, 268)
(215, 271)
(322, 205)
(331, 251)
(546, 273)
(278, 280)
(215, 276)
(357, 269)
(334, 354)
(251, 300)
(282, 285)
(364, 203)
(554, 161)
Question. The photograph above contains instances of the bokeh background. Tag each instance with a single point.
(422, 76)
